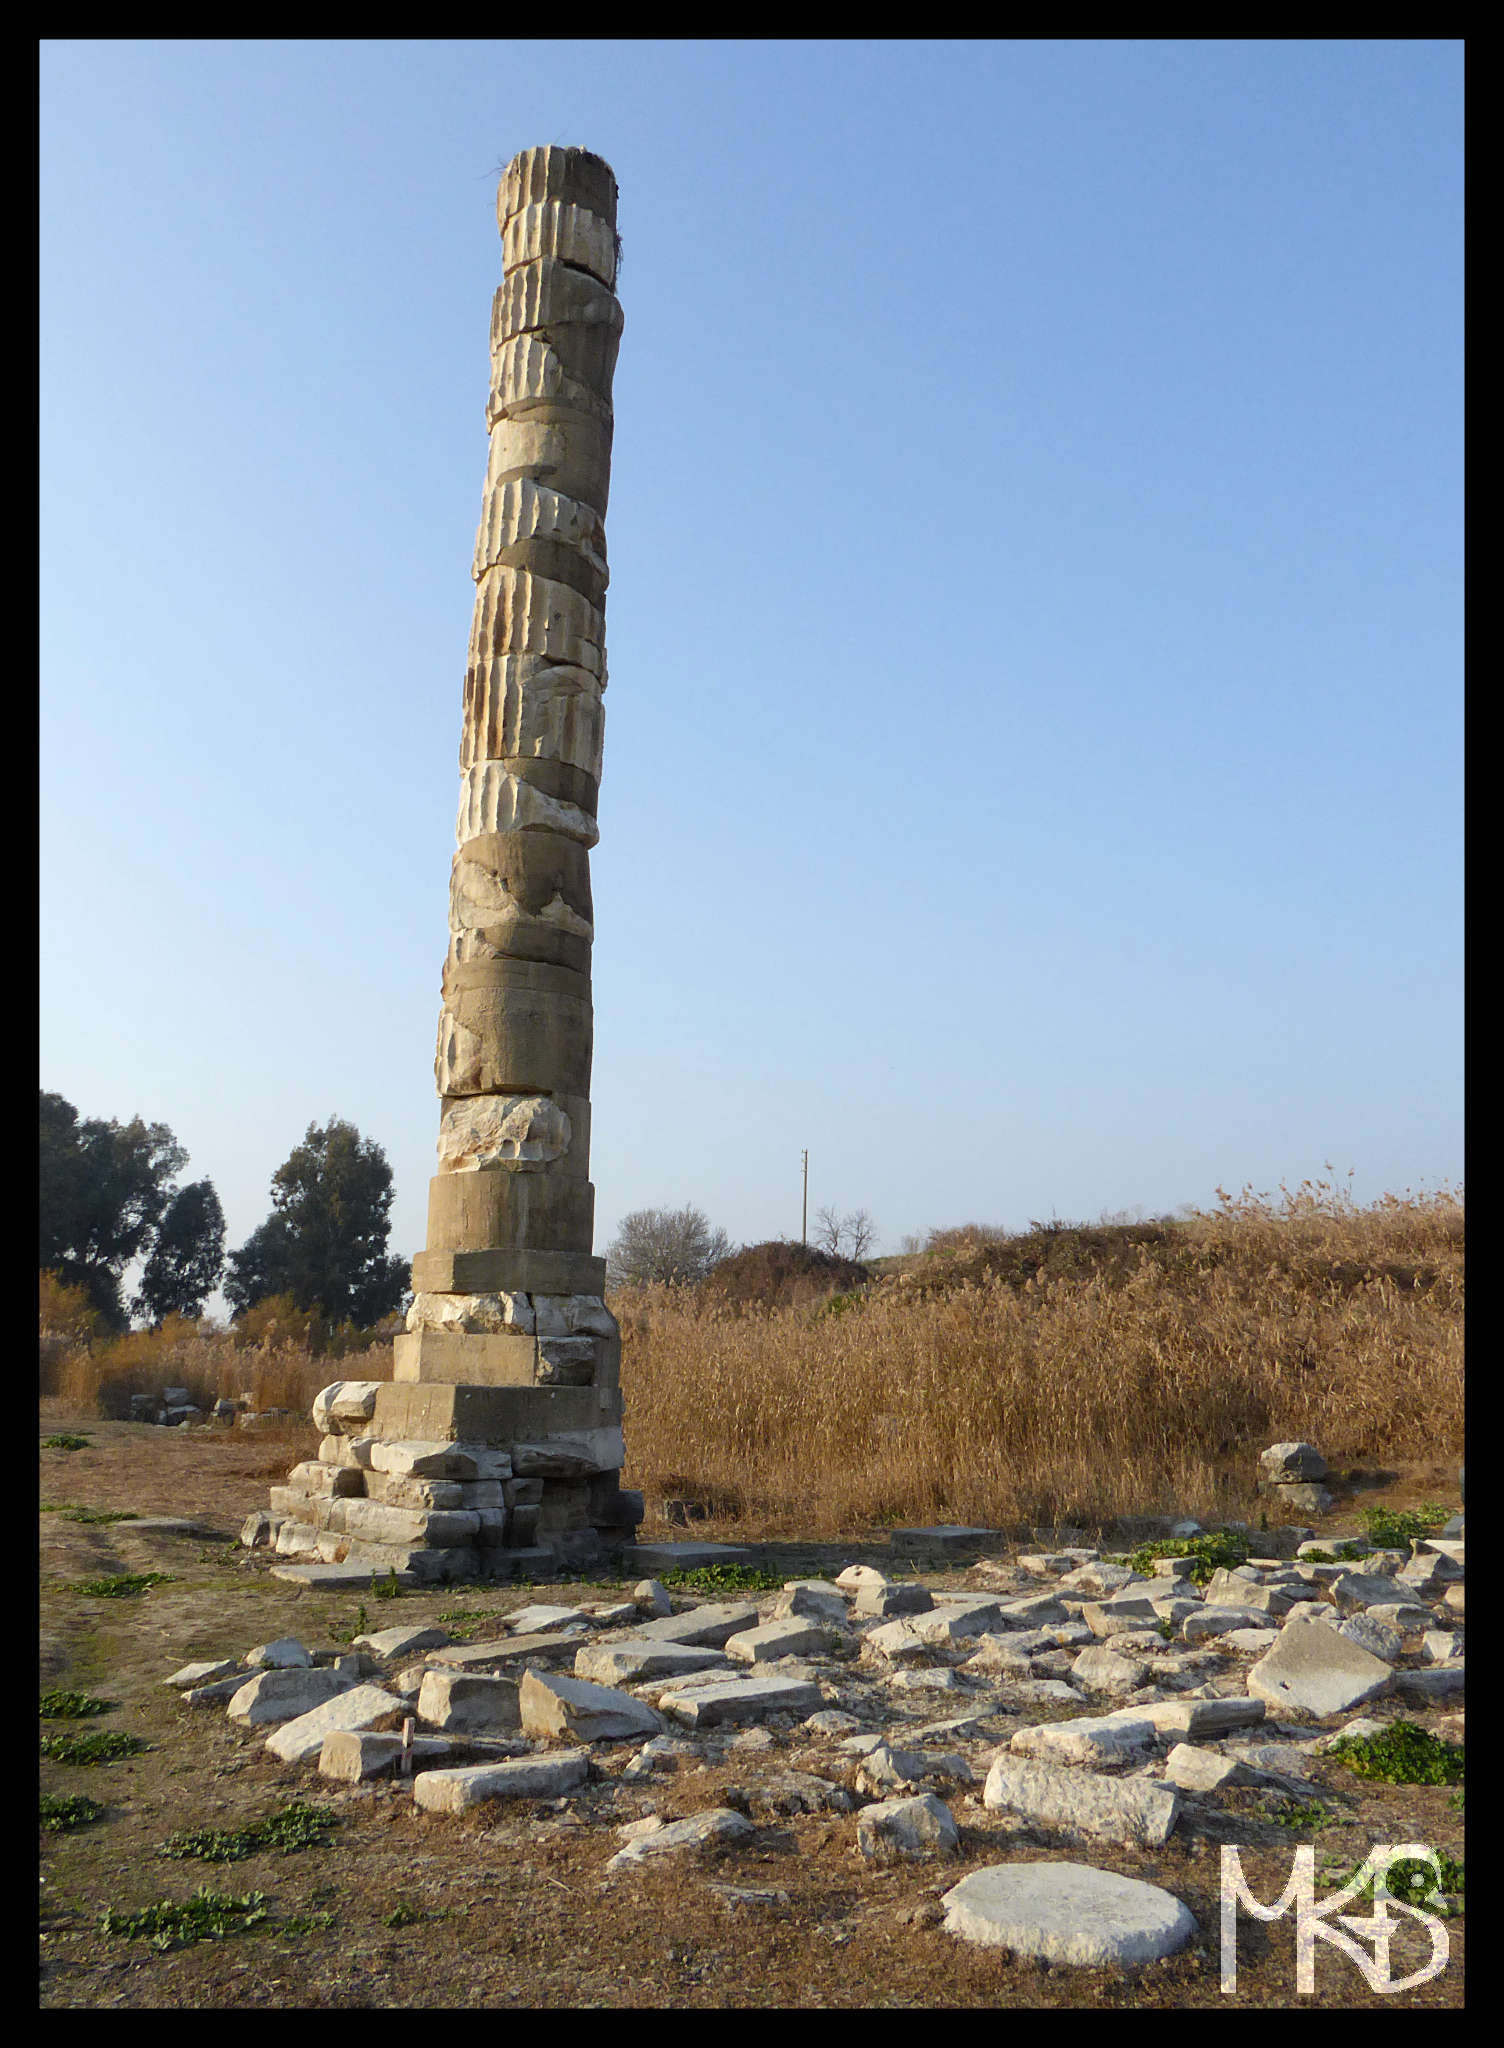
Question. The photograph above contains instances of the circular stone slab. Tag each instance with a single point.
(1067, 1913)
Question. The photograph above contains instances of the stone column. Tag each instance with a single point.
(507, 1293)
(497, 1447)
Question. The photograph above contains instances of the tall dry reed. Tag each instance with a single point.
(1081, 1400)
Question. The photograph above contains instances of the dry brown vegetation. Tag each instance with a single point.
(277, 1354)
(1070, 1375)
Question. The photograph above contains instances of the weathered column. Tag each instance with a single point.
(507, 1293)
(497, 1445)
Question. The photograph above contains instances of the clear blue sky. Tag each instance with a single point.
(1033, 751)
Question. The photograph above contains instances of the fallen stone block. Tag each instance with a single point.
(682, 1556)
(798, 1792)
(1377, 1637)
(891, 1641)
(526, 1777)
(510, 1650)
(300, 1741)
(193, 1675)
(217, 1692)
(1203, 1717)
(937, 1680)
(888, 1599)
(744, 1699)
(1103, 1670)
(557, 1708)
(1204, 1770)
(1356, 1591)
(630, 1658)
(775, 1639)
(274, 1696)
(720, 1827)
(343, 1408)
(706, 1627)
(1316, 1671)
(811, 1600)
(1208, 1622)
(901, 1829)
(286, 1654)
(855, 1576)
(957, 1621)
(460, 1701)
(885, 1769)
(350, 1755)
(1092, 1739)
(944, 1537)
(1035, 1610)
(1096, 1580)
(401, 1642)
(1137, 1812)
(1425, 1688)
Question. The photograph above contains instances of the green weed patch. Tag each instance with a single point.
(73, 1706)
(298, 1826)
(724, 1578)
(1222, 1550)
(65, 1443)
(171, 1923)
(1392, 1529)
(123, 1586)
(62, 1810)
(1403, 1755)
(107, 1747)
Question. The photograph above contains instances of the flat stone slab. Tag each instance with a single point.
(162, 1525)
(338, 1575)
(740, 1699)
(203, 1674)
(541, 1620)
(523, 1777)
(1314, 1670)
(630, 1658)
(401, 1642)
(942, 1536)
(508, 1649)
(719, 1827)
(1067, 1913)
(775, 1639)
(1138, 1812)
(707, 1627)
(302, 1740)
(649, 1557)
(283, 1695)
(1202, 1717)
(1090, 1739)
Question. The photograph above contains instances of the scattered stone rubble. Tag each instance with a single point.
(1083, 1703)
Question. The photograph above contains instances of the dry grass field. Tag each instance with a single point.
(1073, 1376)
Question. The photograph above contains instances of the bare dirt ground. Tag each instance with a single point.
(511, 1907)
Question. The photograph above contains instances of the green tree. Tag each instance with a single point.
(325, 1240)
(103, 1188)
(187, 1257)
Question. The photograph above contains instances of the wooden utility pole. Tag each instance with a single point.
(804, 1212)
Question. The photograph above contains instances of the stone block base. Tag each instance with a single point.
(562, 1508)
